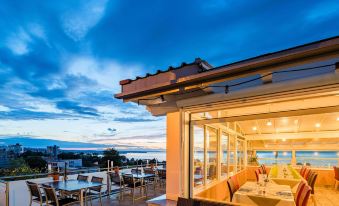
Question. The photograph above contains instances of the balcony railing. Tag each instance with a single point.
(13, 189)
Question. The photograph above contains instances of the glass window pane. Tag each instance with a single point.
(223, 156)
(211, 153)
(232, 163)
(240, 155)
(317, 158)
(274, 157)
(198, 155)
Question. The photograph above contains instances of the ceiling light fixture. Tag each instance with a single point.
(337, 118)
(284, 140)
(296, 121)
(317, 125)
(254, 128)
(269, 123)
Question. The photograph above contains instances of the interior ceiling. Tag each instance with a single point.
(297, 124)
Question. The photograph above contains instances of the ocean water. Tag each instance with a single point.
(161, 156)
(315, 158)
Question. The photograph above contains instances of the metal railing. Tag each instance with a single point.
(6, 180)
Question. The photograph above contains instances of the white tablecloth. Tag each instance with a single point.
(275, 195)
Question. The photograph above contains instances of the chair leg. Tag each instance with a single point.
(133, 195)
(100, 198)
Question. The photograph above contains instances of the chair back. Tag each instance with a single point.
(306, 173)
(184, 202)
(304, 196)
(302, 170)
(128, 179)
(162, 174)
(97, 180)
(336, 172)
(149, 171)
(136, 171)
(235, 182)
(312, 181)
(257, 173)
(51, 196)
(299, 190)
(231, 188)
(34, 190)
(82, 178)
(263, 167)
(115, 178)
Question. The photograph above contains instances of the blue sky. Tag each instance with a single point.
(61, 61)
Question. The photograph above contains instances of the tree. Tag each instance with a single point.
(112, 155)
(68, 155)
(36, 162)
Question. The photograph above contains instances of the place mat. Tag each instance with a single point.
(245, 189)
(264, 201)
(284, 193)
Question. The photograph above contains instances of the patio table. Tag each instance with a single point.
(73, 185)
(275, 195)
(285, 175)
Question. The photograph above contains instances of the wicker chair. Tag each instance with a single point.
(52, 198)
(35, 193)
(130, 183)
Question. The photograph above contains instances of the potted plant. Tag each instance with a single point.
(55, 174)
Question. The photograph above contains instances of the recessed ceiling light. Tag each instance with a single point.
(317, 125)
(337, 118)
(254, 128)
(284, 140)
(269, 123)
(296, 121)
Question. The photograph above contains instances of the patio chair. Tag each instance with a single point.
(117, 180)
(231, 188)
(151, 181)
(136, 171)
(53, 199)
(95, 191)
(336, 176)
(302, 170)
(82, 178)
(304, 196)
(162, 177)
(130, 183)
(35, 193)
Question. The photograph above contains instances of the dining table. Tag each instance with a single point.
(285, 175)
(73, 186)
(264, 194)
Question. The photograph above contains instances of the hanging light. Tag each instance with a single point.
(269, 123)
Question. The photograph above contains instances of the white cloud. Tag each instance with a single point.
(79, 21)
(4, 108)
(106, 73)
(18, 42)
